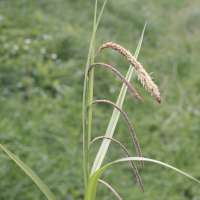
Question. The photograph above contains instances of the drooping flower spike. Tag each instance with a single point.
(107, 185)
(137, 146)
(141, 72)
(136, 95)
(127, 153)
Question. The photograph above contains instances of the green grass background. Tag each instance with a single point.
(41, 97)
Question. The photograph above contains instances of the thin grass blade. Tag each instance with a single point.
(92, 184)
(115, 116)
(47, 192)
(96, 23)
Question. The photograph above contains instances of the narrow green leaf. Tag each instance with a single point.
(31, 174)
(90, 93)
(115, 116)
(92, 184)
(91, 48)
(100, 14)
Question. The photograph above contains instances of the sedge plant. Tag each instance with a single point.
(92, 173)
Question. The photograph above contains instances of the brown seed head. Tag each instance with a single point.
(141, 72)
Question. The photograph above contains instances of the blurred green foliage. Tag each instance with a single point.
(43, 51)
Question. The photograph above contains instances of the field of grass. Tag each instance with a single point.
(43, 52)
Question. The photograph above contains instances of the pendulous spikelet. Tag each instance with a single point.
(141, 72)
(136, 95)
(127, 153)
(135, 140)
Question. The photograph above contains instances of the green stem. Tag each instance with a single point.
(86, 84)
(90, 91)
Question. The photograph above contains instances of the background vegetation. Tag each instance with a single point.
(43, 51)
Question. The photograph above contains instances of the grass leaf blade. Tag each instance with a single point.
(96, 23)
(92, 184)
(31, 174)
